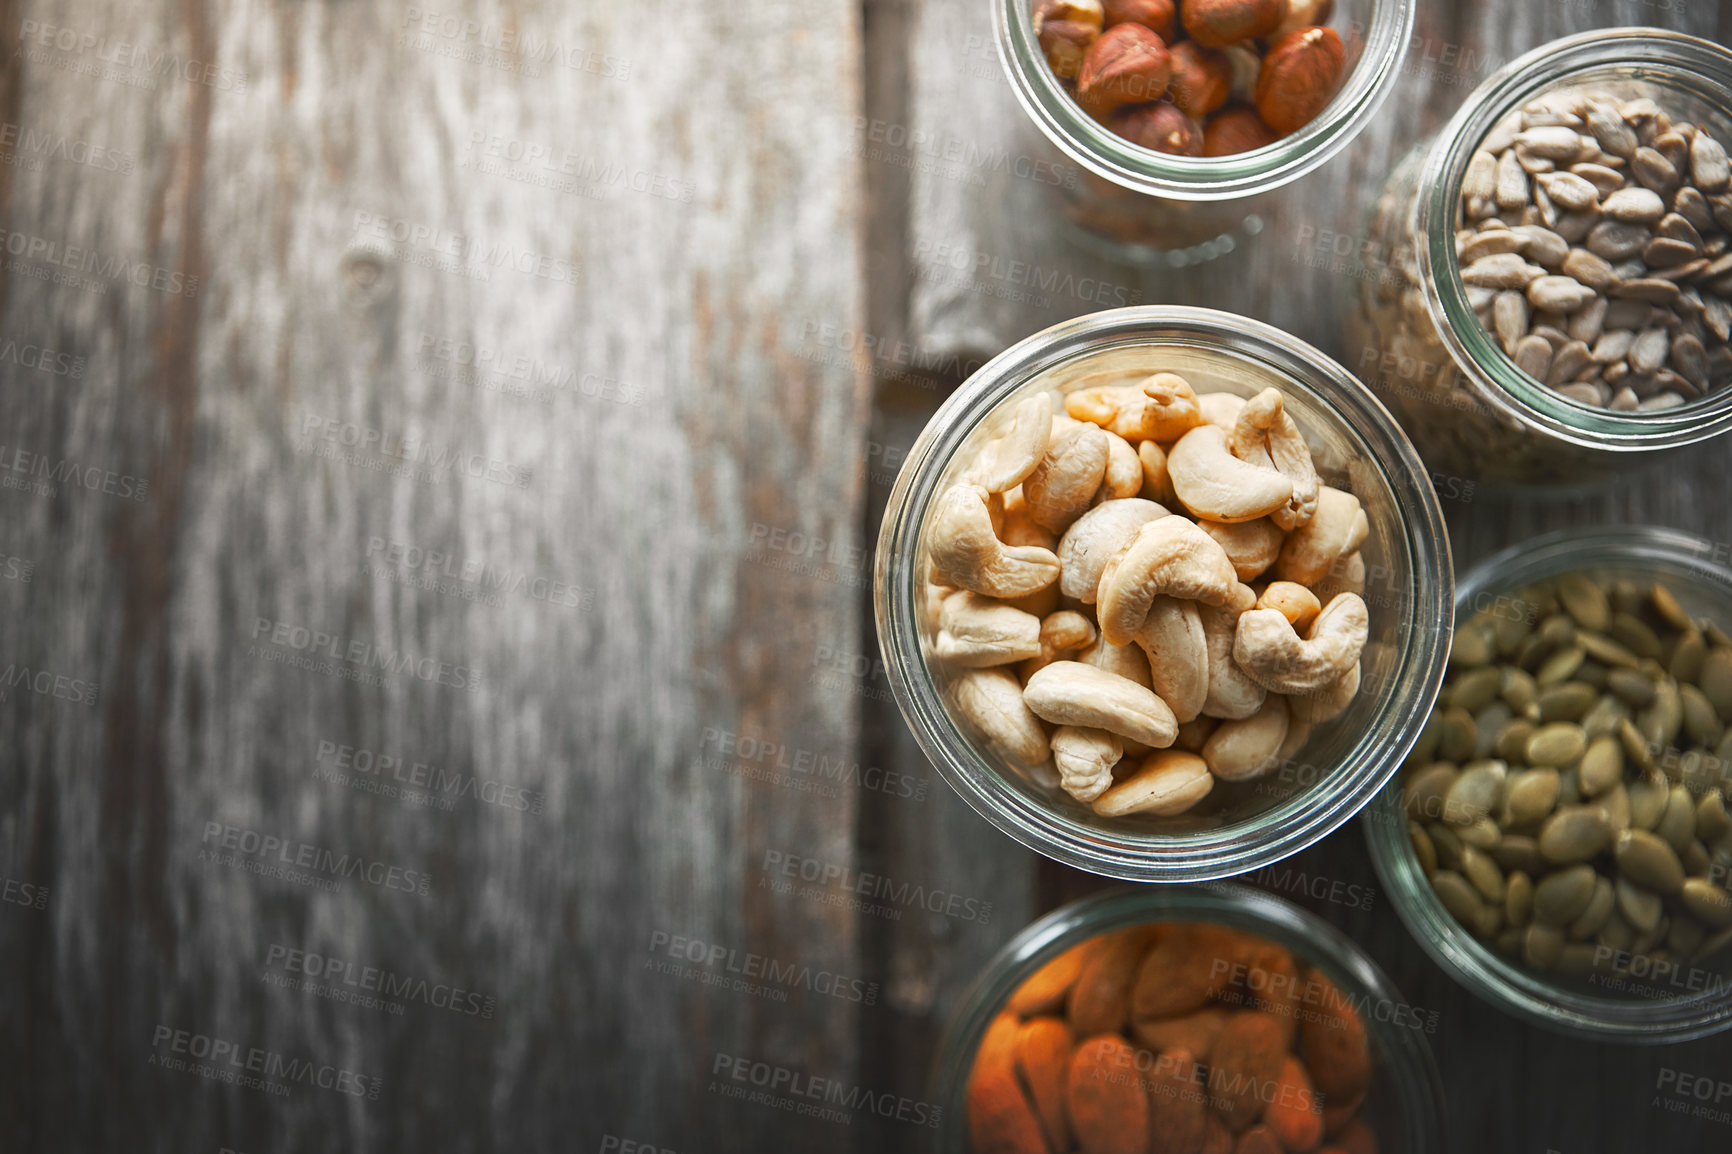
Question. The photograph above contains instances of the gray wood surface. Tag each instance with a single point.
(630, 316)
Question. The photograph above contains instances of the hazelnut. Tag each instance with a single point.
(1160, 127)
(1236, 130)
(1202, 78)
(1158, 16)
(1304, 14)
(1064, 42)
(1298, 77)
(1087, 12)
(1218, 23)
(1128, 64)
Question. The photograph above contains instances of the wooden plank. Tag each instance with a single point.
(620, 226)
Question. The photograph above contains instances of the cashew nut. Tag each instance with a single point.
(1220, 409)
(1178, 655)
(1156, 484)
(975, 631)
(1062, 484)
(1020, 529)
(1267, 648)
(991, 700)
(1251, 546)
(1006, 460)
(1175, 405)
(1246, 749)
(1193, 733)
(1128, 661)
(1293, 601)
(1329, 702)
(1168, 781)
(1217, 486)
(1085, 760)
(968, 554)
(1095, 538)
(1337, 529)
(1265, 435)
(1347, 575)
(1072, 693)
(1169, 555)
(1124, 473)
(1061, 633)
(1232, 695)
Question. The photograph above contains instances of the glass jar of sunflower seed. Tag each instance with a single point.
(1557, 301)
(1559, 839)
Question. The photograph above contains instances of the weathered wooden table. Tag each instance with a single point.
(442, 448)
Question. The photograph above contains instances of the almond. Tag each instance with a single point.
(1000, 1119)
(1298, 78)
(1202, 78)
(1193, 1033)
(1184, 970)
(1158, 16)
(1109, 1112)
(1333, 1044)
(1271, 983)
(1218, 23)
(1159, 128)
(1258, 1140)
(1043, 1057)
(1236, 130)
(1098, 1002)
(1128, 64)
(1043, 992)
(1217, 1139)
(1246, 1061)
(1178, 1114)
(997, 1049)
(1295, 1114)
(1338, 1114)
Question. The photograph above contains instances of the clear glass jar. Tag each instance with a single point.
(1356, 445)
(1635, 1008)
(1405, 1105)
(1469, 409)
(1151, 208)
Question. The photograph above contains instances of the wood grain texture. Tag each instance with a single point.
(622, 227)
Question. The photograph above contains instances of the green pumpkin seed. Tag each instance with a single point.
(1560, 897)
(1715, 680)
(1666, 605)
(1648, 798)
(1685, 936)
(1635, 747)
(1512, 740)
(1616, 804)
(1602, 766)
(1625, 597)
(1459, 898)
(1647, 939)
(1602, 720)
(1632, 686)
(1591, 674)
(1542, 946)
(1575, 833)
(1559, 743)
(1518, 899)
(1471, 647)
(1425, 746)
(1530, 796)
(1448, 845)
(1700, 721)
(1566, 702)
(1457, 738)
(1516, 852)
(1695, 858)
(1616, 934)
(1475, 793)
(1640, 907)
(1687, 656)
(1629, 631)
(1517, 688)
(1659, 723)
(1483, 834)
(1584, 599)
(1648, 861)
(1576, 960)
(1482, 873)
(1560, 666)
(1422, 847)
(1427, 789)
(1595, 913)
(1677, 825)
(1710, 904)
(1712, 822)
(1604, 650)
(1474, 691)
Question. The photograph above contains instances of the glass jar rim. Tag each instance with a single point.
(1313, 811)
(1684, 60)
(1099, 150)
(1529, 995)
(1407, 1057)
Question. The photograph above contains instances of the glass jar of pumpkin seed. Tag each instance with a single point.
(1559, 839)
(1594, 336)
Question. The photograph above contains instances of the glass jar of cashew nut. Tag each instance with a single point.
(1552, 301)
(1163, 593)
(1559, 840)
(1180, 188)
